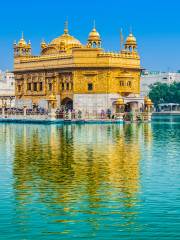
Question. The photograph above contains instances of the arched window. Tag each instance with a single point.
(129, 83)
(90, 86)
(40, 86)
(35, 86)
(94, 44)
(19, 88)
(29, 86)
(50, 86)
(67, 86)
(121, 83)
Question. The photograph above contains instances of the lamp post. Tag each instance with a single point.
(52, 101)
(148, 105)
(25, 111)
(3, 109)
(119, 108)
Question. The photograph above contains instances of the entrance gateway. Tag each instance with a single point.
(67, 103)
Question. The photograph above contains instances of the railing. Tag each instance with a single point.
(75, 115)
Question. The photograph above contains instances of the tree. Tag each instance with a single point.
(165, 93)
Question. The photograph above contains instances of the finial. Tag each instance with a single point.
(66, 26)
(94, 24)
(121, 39)
(130, 29)
(22, 35)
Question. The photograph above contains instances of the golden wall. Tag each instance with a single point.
(70, 74)
(107, 81)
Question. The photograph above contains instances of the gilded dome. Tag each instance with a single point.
(66, 39)
(22, 42)
(131, 40)
(52, 97)
(94, 35)
(148, 101)
(43, 44)
(63, 43)
(120, 101)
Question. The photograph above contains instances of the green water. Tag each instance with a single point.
(90, 181)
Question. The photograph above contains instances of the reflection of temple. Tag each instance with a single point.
(83, 77)
(72, 165)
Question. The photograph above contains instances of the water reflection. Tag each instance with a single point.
(73, 177)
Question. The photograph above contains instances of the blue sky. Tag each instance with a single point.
(156, 24)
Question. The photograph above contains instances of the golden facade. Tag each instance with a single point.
(68, 70)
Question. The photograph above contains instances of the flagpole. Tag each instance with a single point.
(121, 40)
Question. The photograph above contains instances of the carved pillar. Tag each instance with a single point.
(24, 85)
(52, 101)
(3, 111)
(25, 111)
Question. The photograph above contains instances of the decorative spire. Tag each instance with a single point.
(66, 27)
(43, 44)
(22, 40)
(130, 29)
(121, 40)
(94, 39)
(131, 43)
(22, 48)
(94, 24)
(22, 37)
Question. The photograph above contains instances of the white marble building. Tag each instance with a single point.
(7, 89)
(148, 78)
(96, 103)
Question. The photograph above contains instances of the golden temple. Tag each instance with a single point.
(77, 76)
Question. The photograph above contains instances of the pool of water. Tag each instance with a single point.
(90, 181)
(166, 118)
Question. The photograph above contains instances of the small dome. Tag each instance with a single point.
(120, 101)
(148, 101)
(52, 97)
(43, 44)
(131, 40)
(22, 42)
(94, 35)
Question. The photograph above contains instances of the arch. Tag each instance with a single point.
(67, 103)
(131, 105)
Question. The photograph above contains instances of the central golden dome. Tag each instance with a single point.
(66, 39)
(61, 44)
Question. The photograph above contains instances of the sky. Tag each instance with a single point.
(155, 24)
